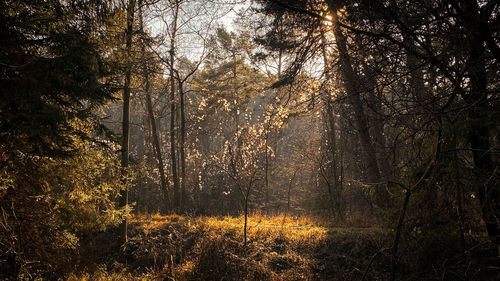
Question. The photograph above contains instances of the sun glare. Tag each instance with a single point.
(328, 20)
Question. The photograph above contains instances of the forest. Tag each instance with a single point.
(249, 140)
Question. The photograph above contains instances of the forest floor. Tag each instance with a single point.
(211, 248)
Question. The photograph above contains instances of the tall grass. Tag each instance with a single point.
(210, 248)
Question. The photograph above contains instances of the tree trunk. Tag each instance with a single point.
(397, 238)
(289, 196)
(157, 148)
(182, 148)
(375, 114)
(376, 118)
(266, 168)
(122, 229)
(350, 82)
(480, 127)
(350, 79)
(173, 157)
(332, 136)
(246, 220)
(152, 120)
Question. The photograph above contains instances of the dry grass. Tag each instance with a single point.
(177, 247)
(211, 248)
(266, 229)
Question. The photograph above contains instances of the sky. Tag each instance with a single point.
(228, 19)
(195, 30)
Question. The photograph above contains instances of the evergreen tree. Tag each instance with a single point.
(56, 178)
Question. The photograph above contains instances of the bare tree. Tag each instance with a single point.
(147, 73)
(126, 116)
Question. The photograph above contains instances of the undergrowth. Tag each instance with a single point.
(177, 247)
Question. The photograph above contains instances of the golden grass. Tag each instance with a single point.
(260, 227)
(206, 248)
(265, 228)
(174, 247)
(101, 274)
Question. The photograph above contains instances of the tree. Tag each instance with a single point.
(442, 74)
(242, 162)
(125, 143)
(226, 92)
(467, 77)
(149, 62)
(175, 177)
(57, 179)
(305, 45)
(187, 20)
(332, 177)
